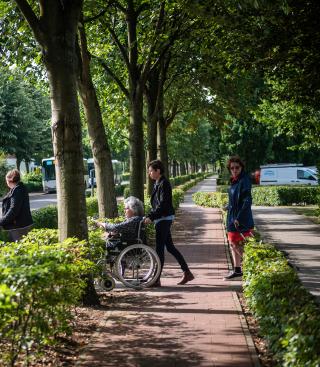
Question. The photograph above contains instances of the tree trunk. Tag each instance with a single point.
(174, 168)
(182, 169)
(56, 31)
(152, 116)
(67, 145)
(18, 163)
(106, 194)
(136, 146)
(162, 138)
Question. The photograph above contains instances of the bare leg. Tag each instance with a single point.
(237, 253)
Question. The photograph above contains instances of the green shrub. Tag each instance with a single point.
(284, 195)
(33, 181)
(120, 189)
(126, 192)
(33, 186)
(177, 197)
(288, 315)
(92, 206)
(126, 176)
(45, 217)
(32, 176)
(43, 281)
(211, 199)
(263, 195)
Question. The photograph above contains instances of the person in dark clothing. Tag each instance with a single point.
(162, 215)
(16, 214)
(239, 219)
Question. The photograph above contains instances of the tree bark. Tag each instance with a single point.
(136, 87)
(55, 30)
(136, 146)
(106, 194)
(151, 93)
(162, 138)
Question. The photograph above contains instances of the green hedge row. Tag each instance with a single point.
(285, 195)
(264, 195)
(211, 199)
(40, 281)
(288, 315)
(33, 181)
(179, 180)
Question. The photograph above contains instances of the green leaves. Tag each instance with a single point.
(40, 281)
(288, 315)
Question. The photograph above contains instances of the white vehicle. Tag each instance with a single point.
(287, 174)
(117, 171)
(49, 175)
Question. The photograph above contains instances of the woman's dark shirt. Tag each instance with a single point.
(239, 206)
(16, 208)
(161, 199)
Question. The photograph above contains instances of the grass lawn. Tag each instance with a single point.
(311, 211)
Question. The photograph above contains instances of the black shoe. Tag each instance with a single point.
(187, 277)
(232, 275)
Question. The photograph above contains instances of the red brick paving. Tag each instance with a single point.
(196, 325)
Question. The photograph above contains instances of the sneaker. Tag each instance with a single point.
(232, 275)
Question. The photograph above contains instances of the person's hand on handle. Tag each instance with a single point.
(147, 220)
(236, 223)
(99, 224)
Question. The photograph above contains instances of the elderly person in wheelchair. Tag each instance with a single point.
(128, 229)
(128, 258)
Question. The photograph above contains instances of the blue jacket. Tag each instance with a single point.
(239, 206)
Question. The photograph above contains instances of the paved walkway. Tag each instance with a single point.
(297, 236)
(196, 325)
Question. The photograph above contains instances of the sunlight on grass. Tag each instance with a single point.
(312, 212)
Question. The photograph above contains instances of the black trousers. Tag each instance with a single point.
(164, 239)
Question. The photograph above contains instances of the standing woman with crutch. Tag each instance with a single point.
(239, 219)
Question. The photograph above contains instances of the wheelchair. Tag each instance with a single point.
(133, 263)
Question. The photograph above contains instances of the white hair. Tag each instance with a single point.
(135, 205)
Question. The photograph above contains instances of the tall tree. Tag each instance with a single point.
(106, 194)
(55, 26)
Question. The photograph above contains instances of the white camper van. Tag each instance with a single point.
(287, 174)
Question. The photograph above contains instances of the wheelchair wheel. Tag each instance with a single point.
(104, 283)
(138, 266)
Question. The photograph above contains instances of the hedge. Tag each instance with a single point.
(288, 315)
(40, 281)
(284, 195)
(263, 195)
(210, 199)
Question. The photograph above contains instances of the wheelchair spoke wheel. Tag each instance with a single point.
(104, 282)
(138, 266)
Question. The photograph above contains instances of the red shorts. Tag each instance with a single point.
(235, 237)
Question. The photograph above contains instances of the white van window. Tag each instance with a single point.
(305, 175)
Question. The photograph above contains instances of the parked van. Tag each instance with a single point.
(287, 174)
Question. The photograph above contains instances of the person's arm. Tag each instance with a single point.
(246, 199)
(16, 202)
